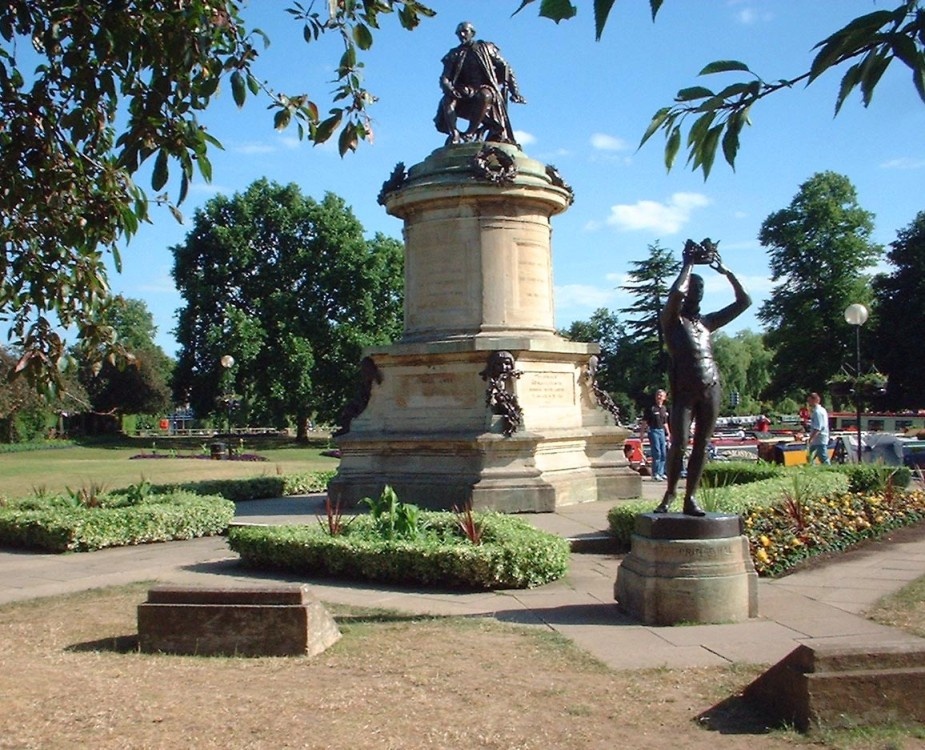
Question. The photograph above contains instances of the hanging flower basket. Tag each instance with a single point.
(841, 387)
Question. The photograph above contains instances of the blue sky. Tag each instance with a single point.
(588, 104)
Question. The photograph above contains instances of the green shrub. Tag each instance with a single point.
(62, 524)
(874, 477)
(512, 553)
(724, 473)
(255, 488)
(736, 498)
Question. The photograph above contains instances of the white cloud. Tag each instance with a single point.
(524, 138)
(604, 142)
(161, 284)
(254, 147)
(903, 162)
(750, 14)
(583, 296)
(663, 218)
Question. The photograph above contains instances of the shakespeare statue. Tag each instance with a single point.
(693, 377)
(476, 84)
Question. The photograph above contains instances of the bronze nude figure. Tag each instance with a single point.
(476, 84)
(693, 375)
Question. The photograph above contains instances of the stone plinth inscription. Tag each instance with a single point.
(547, 388)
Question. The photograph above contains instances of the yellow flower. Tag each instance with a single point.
(762, 555)
(765, 542)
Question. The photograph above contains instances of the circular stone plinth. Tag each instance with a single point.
(680, 526)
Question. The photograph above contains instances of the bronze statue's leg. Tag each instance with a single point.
(679, 423)
(706, 411)
(665, 504)
(481, 103)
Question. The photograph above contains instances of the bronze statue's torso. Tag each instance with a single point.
(691, 349)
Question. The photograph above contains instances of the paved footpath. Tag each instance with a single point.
(821, 605)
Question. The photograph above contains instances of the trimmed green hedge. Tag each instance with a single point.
(802, 482)
(512, 554)
(724, 473)
(60, 524)
(255, 488)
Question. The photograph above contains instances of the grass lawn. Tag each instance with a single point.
(111, 465)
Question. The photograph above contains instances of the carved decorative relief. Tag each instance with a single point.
(500, 373)
(603, 398)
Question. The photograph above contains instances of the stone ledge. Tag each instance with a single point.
(266, 621)
(832, 685)
(680, 526)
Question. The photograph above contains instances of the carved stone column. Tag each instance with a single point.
(439, 426)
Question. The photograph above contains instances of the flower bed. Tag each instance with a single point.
(511, 552)
(804, 512)
(785, 534)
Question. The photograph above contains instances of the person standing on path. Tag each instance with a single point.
(818, 430)
(657, 421)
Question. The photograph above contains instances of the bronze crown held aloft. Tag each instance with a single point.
(703, 253)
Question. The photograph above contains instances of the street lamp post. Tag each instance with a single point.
(227, 362)
(856, 315)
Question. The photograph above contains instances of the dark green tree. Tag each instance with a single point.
(137, 383)
(900, 321)
(744, 363)
(605, 329)
(121, 84)
(649, 282)
(288, 287)
(818, 248)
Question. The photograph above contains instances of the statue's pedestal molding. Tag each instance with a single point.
(478, 282)
(686, 569)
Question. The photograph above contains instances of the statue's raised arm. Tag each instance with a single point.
(476, 82)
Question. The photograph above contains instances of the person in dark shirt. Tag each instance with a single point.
(656, 417)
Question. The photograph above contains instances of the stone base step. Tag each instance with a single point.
(832, 685)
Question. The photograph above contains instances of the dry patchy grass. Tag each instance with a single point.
(72, 677)
(905, 609)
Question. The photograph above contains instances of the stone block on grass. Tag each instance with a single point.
(265, 621)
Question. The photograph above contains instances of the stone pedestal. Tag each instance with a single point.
(273, 621)
(684, 569)
(478, 282)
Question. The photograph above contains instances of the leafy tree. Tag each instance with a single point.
(292, 291)
(900, 305)
(137, 383)
(744, 363)
(605, 329)
(90, 91)
(25, 413)
(649, 282)
(818, 248)
(864, 48)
